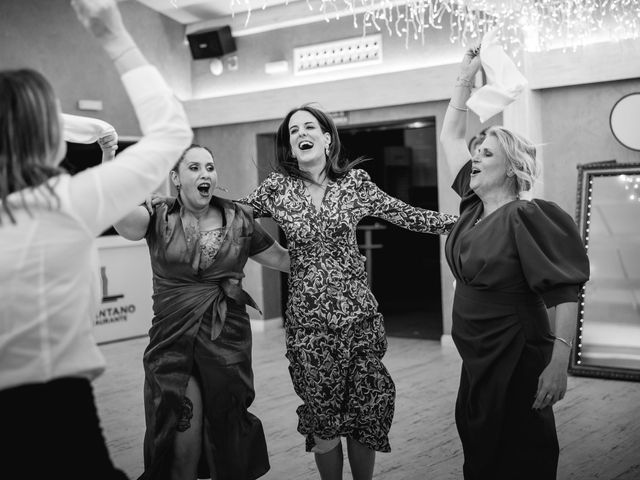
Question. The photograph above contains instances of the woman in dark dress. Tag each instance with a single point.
(198, 376)
(512, 259)
(334, 333)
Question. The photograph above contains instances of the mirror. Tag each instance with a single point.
(624, 120)
(608, 215)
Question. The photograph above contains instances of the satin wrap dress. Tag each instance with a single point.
(509, 267)
(335, 337)
(201, 327)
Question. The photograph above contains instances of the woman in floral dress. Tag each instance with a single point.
(335, 335)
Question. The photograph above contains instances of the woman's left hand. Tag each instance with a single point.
(552, 384)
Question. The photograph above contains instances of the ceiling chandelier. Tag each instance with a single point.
(529, 25)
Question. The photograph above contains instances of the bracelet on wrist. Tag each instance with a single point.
(458, 108)
(562, 340)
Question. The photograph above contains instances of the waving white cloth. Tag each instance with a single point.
(79, 129)
(504, 81)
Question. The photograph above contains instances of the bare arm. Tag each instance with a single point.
(134, 225)
(454, 125)
(276, 257)
(108, 144)
(552, 384)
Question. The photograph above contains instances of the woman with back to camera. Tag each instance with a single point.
(335, 335)
(198, 376)
(49, 277)
(512, 259)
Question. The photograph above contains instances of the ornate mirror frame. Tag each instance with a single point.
(587, 173)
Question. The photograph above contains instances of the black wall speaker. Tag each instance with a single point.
(211, 43)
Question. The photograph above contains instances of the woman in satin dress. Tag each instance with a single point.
(198, 375)
(512, 260)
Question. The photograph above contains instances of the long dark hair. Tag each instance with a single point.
(336, 166)
(30, 133)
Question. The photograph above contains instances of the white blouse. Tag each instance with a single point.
(49, 278)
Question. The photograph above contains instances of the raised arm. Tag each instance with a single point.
(108, 144)
(102, 195)
(454, 125)
(134, 225)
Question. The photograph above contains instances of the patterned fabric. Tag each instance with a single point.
(210, 242)
(335, 336)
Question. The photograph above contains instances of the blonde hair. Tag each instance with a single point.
(521, 157)
(30, 134)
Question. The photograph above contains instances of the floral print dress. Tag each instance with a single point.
(335, 336)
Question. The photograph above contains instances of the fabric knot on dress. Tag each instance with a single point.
(227, 289)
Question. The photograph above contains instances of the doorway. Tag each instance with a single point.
(403, 266)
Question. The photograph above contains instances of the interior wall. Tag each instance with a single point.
(575, 130)
(45, 35)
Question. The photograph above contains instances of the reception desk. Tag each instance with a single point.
(126, 308)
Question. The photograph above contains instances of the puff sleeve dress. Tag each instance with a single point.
(519, 260)
(334, 333)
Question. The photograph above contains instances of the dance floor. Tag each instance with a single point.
(598, 421)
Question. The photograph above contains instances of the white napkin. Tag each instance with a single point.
(504, 81)
(79, 129)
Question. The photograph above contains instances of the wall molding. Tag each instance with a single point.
(388, 89)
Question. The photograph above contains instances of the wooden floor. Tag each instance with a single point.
(598, 421)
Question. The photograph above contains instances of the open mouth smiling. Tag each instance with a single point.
(305, 145)
(204, 188)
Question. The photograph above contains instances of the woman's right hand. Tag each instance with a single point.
(470, 64)
(101, 17)
(153, 200)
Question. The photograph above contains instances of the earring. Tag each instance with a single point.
(326, 149)
(178, 188)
